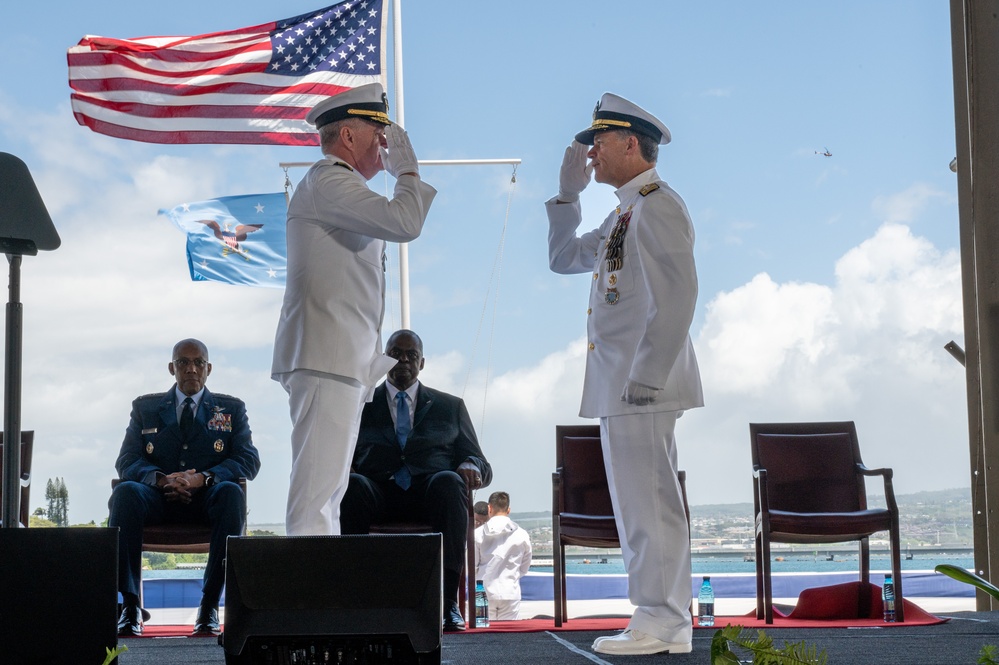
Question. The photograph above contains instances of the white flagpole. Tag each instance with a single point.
(400, 117)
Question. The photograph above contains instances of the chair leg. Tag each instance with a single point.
(865, 561)
(558, 577)
(896, 569)
(470, 564)
(768, 594)
(759, 577)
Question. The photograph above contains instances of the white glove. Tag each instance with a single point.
(575, 173)
(399, 158)
(638, 394)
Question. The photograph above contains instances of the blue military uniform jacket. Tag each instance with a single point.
(220, 440)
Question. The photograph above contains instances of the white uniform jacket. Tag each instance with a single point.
(641, 307)
(503, 556)
(334, 300)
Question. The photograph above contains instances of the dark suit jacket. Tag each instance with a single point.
(442, 438)
(220, 441)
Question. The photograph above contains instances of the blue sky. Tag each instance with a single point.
(828, 285)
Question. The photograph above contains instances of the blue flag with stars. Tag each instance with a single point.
(235, 239)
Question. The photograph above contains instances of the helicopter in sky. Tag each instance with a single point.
(824, 154)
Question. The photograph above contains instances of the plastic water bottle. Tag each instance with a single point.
(888, 599)
(706, 604)
(481, 605)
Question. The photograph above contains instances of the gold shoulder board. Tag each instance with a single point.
(344, 165)
(648, 189)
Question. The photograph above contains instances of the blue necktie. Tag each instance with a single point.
(187, 415)
(403, 478)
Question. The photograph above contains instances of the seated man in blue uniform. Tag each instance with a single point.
(416, 454)
(183, 452)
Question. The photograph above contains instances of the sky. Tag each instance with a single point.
(828, 285)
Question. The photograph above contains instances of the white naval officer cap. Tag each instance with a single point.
(615, 112)
(367, 102)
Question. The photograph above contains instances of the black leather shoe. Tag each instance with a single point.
(130, 621)
(207, 622)
(452, 617)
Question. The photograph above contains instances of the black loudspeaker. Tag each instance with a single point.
(58, 595)
(338, 599)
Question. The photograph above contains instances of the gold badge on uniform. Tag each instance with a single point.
(219, 446)
(612, 296)
(149, 448)
(612, 279)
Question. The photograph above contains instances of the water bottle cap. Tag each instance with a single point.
(707, 578)
(478, 582)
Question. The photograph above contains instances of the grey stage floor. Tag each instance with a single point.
(956, 642)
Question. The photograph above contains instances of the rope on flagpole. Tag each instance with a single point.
(494, 276)
(287, 185)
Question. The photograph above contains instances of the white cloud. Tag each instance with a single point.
(868, 349)
(904, 207)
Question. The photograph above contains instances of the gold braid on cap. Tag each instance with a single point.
(603, 123)
(373, 115)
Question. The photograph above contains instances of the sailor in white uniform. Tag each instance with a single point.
(328, 348)
(641, 372)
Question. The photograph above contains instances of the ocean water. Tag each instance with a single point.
(792, 563)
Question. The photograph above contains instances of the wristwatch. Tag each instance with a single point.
(209, 478)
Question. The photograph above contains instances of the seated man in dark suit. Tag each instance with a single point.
(183, 451)
(416, 455)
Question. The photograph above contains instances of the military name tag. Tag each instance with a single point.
(151, 430)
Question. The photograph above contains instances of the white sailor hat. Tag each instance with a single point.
(614, 112)
(367, 102)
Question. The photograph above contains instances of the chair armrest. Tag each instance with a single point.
(889, 489)
(761, 497)
(556, 492)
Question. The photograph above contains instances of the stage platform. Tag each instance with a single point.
(956, 641)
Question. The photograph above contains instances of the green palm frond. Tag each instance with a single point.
(114, 654)
(761, 648)
(962, 575)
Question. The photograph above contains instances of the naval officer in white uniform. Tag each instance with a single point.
(328, 348)
(641, 373)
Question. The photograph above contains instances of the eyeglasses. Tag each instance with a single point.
(411, 356)
(184, 363)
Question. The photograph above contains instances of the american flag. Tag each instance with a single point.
(250, 85)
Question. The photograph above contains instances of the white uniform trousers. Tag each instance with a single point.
(641, 462)
(504, 610)
(325, 416)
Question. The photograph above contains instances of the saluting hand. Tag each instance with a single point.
(575, 173)
(400, 158)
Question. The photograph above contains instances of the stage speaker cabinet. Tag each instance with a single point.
(58, 595)
(333, 599)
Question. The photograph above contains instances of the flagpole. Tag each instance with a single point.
(400, 117)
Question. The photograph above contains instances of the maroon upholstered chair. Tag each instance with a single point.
(466, 585)
(178, 537)
(809, 488)
(582, 514)
(27, 444)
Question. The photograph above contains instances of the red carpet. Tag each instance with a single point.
(836, 606)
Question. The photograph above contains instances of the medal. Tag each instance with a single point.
(614, 256)
(612, 296)
(219, 446)
(149, 448)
